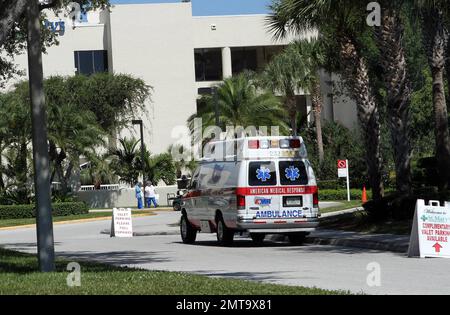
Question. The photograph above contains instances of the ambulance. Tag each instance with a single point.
(259, 185)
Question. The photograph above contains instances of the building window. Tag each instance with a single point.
(88, 62)
(243, 59)
(208, 64)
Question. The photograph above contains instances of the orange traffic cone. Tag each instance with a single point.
(364, 195)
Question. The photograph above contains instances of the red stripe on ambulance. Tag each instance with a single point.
(288, 190)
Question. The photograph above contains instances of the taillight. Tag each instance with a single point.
(240, 200)
(295, 143)
(253, 144)
(315, 199)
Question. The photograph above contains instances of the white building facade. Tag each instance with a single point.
(179, 55)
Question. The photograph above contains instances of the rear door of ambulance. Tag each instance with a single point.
(296, 201)
(262, 202)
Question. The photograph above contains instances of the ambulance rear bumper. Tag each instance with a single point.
(278, 228)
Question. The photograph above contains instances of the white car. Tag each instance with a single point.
(260, 185)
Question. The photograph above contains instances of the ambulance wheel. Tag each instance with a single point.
(257, 238)
(225, 235)
(297, 238)
(188, 232)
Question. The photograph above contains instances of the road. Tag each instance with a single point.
(327, 267)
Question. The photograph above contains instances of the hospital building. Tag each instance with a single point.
(180, 55)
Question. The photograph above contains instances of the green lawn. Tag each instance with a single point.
(18, 275)
(344, 206)
(19, 222)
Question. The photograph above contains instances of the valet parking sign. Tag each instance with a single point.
(121, 224)
(430, 235)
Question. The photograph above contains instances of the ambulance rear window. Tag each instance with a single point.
(293, 173)
(262, 174)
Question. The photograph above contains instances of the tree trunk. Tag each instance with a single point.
(291, 106)
(10, 12)
(2, 182)
(447, 67)
(356, 77)
(44, 223)
(390, 42)
(316, 100)
(436, 42)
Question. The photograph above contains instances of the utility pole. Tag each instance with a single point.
(44, 223)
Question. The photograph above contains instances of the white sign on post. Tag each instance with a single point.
(430, 235)
(343, 172)
(121, 224)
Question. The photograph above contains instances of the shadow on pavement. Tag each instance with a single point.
(239, 244)
(340, 249)
(253, 276)
(116, 257)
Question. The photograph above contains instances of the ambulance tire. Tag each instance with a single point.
(257, 238)
(297, 238)
(187, 231)
(225, 235)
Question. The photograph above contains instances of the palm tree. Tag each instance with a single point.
(312, 54)
(181, 162)
(436, 36)
(100, 170)
(390, 41)
(297, 68)
(158, 167)
(284, 75)
(340, 21)
(240, 104)
(72, 133)
(124, 160)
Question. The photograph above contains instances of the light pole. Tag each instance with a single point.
(44, 223)
(141, 125)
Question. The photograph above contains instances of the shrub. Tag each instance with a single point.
(328, 184)
(341, 194)
(28, 211)
(401, 207)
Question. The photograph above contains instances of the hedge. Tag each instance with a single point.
(28, 211)
(341, 194)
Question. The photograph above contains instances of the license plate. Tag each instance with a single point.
(292, 201)
(290, 154)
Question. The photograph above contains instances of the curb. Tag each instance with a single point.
(340, 213)
(29, 226)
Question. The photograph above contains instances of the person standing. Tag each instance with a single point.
(138, 191)
(150, 195)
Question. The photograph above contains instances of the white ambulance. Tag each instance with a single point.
(260, 185)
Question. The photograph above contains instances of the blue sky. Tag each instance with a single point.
(215, 7)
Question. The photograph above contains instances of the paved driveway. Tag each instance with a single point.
(328, 267)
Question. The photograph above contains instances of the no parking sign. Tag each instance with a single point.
(343, 172)
(342, 168)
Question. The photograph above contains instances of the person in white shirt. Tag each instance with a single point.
(150, 195)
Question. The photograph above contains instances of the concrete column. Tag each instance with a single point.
(227, 69)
